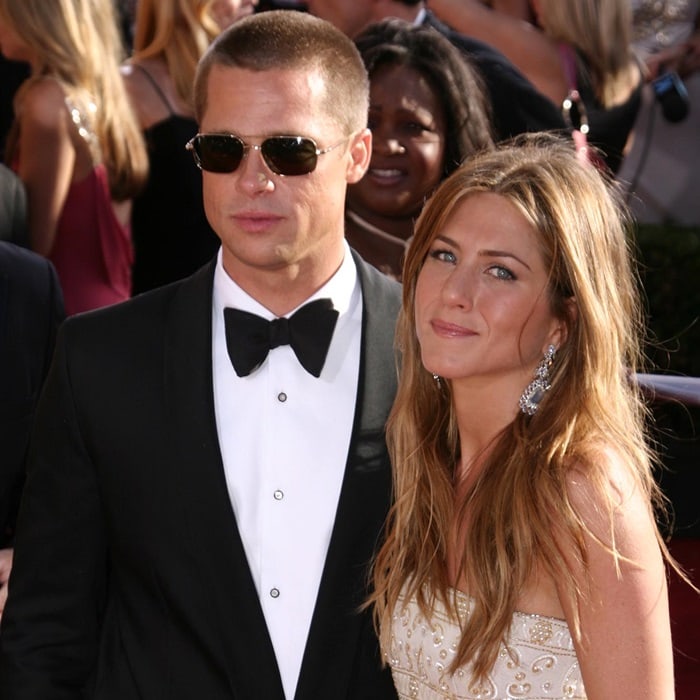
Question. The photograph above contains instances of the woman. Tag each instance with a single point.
(427, 113)
(75, 144)
(583, 45)
(172, 237)
(522, 557)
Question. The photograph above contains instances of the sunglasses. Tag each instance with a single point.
(284, 155)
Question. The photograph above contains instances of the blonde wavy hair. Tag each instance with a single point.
(522, 495)
(179, 31)
(602, 31)
(78, 44)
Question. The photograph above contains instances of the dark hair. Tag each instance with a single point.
(456, 82)
(288, 39)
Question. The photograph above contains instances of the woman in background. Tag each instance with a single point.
(75, 143)
(172, 237)
(582, 45)
(522, 556)
(428, 112)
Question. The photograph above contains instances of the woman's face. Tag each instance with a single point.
(226, 12)
(408, 144)
(482, 307)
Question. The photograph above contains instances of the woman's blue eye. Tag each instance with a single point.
(501, 273)
(443, 255)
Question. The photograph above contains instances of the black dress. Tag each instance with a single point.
(610, 126)
(172, 237)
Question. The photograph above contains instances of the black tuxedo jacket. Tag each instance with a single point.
(517, 106)
(31, 308)
(129, 569)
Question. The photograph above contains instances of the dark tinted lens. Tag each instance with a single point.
(218, 153)
(290, 155)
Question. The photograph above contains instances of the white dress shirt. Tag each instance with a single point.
(284, 438)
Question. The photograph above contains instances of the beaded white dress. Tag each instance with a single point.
(539, 662)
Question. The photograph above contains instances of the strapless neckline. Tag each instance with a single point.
(538, 659)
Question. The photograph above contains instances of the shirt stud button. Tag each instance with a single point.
(275, 593)
(279, 495)
(281, 397)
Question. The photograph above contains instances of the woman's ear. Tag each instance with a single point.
(560, 331)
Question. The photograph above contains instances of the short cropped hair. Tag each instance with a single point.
(291, 40)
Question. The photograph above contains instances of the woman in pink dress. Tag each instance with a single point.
(75, 143)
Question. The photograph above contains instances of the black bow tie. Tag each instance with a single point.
(309, 331)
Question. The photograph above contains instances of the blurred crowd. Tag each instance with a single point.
(93, 123)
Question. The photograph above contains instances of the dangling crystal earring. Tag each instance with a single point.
(436, 377)
(539, 386)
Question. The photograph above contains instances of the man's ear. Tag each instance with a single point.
(360, 152)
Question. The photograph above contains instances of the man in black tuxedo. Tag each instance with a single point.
(203, 499)
(517, 106)
(31, 308)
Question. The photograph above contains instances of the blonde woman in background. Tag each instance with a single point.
(522, 556)
(586, 42)
(75, 143)
(172, 237)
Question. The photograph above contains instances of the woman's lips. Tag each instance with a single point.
(386, 176)
(450, 330)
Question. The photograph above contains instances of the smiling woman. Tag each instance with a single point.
(427, 113)
(523, 525)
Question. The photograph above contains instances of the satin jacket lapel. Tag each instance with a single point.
(229, 601)
(331, 649)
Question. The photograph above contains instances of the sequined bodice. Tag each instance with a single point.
(541, 664)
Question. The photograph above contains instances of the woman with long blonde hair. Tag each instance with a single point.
(522, 556)
(75, 143)
(580, 51)
(172, 237)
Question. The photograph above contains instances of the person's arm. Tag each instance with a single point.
(514, 8)
(626, 649)
(46, 159)
(5, 568)
(526, 46)
(51, 623)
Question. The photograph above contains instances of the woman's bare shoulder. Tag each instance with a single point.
(42, 100)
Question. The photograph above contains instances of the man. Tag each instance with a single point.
(191, 529)
(517, 107)
(31, 308)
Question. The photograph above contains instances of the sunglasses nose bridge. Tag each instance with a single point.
(247, 147)
(254, 172)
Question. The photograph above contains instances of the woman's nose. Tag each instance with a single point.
(459, 289)
(386, 143)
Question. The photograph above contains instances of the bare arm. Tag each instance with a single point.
(46, 159)
(526, 46)
(626, 649)
(514, 8)
(5, 568)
